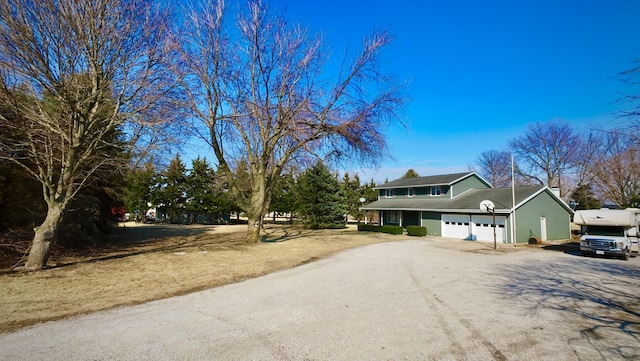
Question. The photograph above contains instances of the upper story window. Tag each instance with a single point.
(389, 193)
(436, 191)
(411, 192)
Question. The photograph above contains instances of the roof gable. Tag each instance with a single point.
(434, 180)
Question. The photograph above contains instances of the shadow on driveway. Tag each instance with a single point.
(571, 248)
(603, 295)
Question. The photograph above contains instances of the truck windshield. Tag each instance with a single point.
(616, 231)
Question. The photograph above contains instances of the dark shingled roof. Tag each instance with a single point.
(468, 202)
(434, 180)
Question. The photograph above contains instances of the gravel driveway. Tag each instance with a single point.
(411, 300)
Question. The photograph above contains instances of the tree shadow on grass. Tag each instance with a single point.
(603, 294)
(132, 241)
(286, 232)
(130, 236)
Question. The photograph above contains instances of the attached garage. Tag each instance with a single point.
(473, 227)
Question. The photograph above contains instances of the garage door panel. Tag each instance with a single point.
(456, 225)
(482, 227)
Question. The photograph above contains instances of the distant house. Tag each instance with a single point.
(448, 205)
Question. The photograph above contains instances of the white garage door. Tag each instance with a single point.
(456, 225)
(481, 227)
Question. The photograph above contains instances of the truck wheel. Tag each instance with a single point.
(625, 255)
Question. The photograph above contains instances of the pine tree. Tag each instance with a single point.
(172, 193)
(139, 184)
(322, 203)
(284, 196)
(201, 192)
(584, 198)
(411, 174)
(353, 191)
(368, 192)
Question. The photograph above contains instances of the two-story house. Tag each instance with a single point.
(448, 205)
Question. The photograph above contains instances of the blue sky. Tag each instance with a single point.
(481, 71)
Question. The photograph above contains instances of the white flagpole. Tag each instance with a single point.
(513, 199)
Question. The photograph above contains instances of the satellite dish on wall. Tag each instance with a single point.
(487, 206)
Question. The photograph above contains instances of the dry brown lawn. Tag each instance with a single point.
(150, 262)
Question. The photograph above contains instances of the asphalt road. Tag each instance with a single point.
(413, 300)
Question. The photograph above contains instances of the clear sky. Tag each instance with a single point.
(481, 71)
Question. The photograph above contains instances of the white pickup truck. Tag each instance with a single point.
(610, 232)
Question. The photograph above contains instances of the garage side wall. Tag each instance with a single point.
(528, 219)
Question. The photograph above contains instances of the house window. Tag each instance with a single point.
(436, 191)
(389, 193)
(411, 192)
(393, 217)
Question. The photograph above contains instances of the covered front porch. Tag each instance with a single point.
(400, 218)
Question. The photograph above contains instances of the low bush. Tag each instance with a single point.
(366, 227)
(416, 231)
(391, 229)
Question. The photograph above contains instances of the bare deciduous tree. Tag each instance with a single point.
(615, 170)
(632, 77)
(263, 97)
(495, 166)
(547, 153)
(72, 72)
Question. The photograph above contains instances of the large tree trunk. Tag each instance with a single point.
(256, 209)
(44, 236)
(255, 214)
(253, 230)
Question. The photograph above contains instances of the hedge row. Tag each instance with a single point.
(411, 230)
(416, 231)
(382, 229)
(366, 227)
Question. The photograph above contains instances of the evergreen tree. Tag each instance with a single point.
(368, 192)
(411, 174)
(200, 190)
(21, 203)
(584, 198)
(353, 192)
(172, 193)
(283, 199)
(321, 199)
(139, 185)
